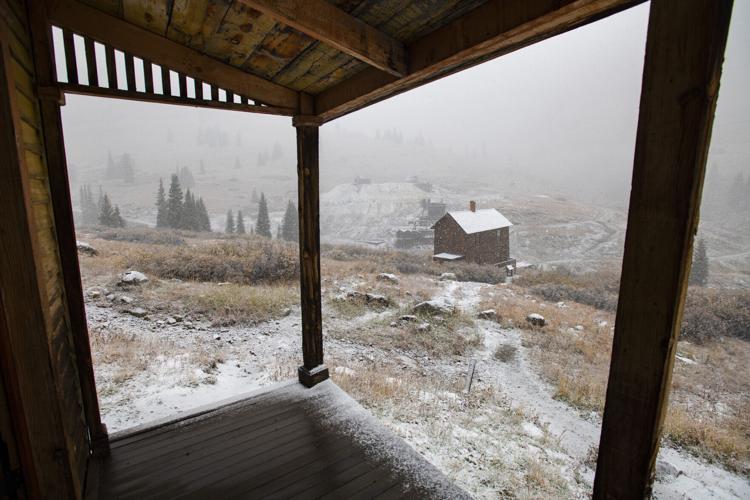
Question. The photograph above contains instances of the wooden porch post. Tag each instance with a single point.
(54, 148)
(684, 54)
(313, 371)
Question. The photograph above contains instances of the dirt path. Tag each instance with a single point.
(679, 475)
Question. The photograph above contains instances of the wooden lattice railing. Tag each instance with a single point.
(94, 68)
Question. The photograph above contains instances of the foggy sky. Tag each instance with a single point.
(565, 108)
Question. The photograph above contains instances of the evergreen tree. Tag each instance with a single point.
(186, 177)
(106, 212)
(254, 197)
(240, 229)
(189, 216)
(699, 270)
(117, 220)
(111, 172)
(161, 206)
(263, 224)
(278, 232)
(126, 168)
(229, 229)
(89, 208)
(290, 225)
(174, 203)
(205, 221)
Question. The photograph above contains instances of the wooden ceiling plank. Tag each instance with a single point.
(332, 26)
(153, 16)
(491, 30)
(127, 37)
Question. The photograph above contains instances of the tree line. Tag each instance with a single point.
(177, 211)
(288, 230)
(102, 211)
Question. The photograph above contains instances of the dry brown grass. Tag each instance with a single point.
(709, 400)
(120, 356)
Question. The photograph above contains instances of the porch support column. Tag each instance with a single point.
(54, 150)
(313, 371)
(684, 54)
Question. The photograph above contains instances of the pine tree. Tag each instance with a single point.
(89, 209)
(111, 172)
(205, 221)
(106, 212)
(188, 220)
(278, 232)
(127, 168)
(263, 224)
(290, 225)
(240, 229)
(117, 220)
(699, 270)
(161, 206)
(174, 203)
(229, 229)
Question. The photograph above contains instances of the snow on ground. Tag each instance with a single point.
(547, 430)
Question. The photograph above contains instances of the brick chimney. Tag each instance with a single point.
(473, 206)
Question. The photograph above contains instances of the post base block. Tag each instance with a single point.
(309, 378)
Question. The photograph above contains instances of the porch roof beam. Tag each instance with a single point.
(332, 26)
(491, 30)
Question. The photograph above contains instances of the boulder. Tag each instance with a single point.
(488, 314)
(535, 319)
(171, 320)
(125, 299)
(138, 312)
(423, 327)
(448, 277)
(379, 300)
(390, 278)
(433, 307)
(132, 278)
(86, 249)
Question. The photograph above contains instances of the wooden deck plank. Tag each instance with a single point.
(285, 443)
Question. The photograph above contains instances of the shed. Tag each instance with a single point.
(314, 61)
(479, 236)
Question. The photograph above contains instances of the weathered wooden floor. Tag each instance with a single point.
(287, 442)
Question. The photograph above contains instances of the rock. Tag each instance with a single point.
(535, 319)
(188, 325)
(160, 322)
(433, 307)
(95, 294)
(217, 337)
(448, 277)
(171, 320)
(286, 312)
(111, 297)
(86, 249)
(579, 328)
(390, 278)
(408, 318)
(488, 314)
(132, 278)
(138, 312)
(423, 327)
(561, 305)
(380, 300)
(664, 468)
(126, 299)
(394, 324)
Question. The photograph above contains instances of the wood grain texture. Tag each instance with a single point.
(494, 28)
(27, 363)
(74, 345)
(159, 49)
(684, 54)
(328, 24)
(308, 172)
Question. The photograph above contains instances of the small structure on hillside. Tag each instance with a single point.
(480, 236)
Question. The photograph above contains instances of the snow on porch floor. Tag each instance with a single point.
(282, 441)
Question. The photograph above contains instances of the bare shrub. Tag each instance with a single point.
(713, 313)
(142, 235)
(241, 261)
(598, 289)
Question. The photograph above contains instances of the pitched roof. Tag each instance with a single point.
(482, 220)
